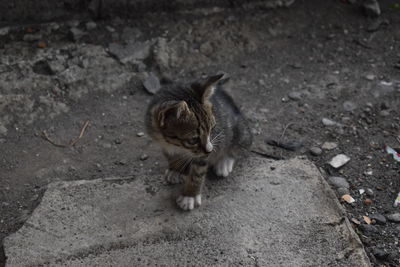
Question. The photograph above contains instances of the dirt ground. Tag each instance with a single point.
(289, 69)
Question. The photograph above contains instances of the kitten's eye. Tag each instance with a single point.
(192, 142)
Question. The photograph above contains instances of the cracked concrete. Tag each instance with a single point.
(269, 213)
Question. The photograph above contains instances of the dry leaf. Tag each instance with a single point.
(42, 45)
(367, 219)
(354, 220)
(367, 201)
(348, 198)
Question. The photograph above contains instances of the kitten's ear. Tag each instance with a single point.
(207, 88)
(177, 109)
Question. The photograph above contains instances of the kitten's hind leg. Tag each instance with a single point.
(224, 166)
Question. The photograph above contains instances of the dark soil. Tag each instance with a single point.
(322, 50)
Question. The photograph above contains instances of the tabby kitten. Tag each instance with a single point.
(197, 126)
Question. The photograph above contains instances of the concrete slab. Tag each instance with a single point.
(269, 213)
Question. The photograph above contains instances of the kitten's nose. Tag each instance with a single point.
(209, 147)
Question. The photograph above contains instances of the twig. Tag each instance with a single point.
(284, 131)
(47, 138)
(283, 134)
(73, 142)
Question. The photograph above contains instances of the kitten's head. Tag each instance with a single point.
(185, 123)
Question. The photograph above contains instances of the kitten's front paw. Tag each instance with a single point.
(188, 203)
(224, 167)
(173, 177)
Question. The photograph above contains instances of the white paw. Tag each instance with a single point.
(188, 203)
(224, 167)
(173, 177)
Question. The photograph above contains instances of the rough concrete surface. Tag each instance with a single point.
(45, 10)
(269, 213)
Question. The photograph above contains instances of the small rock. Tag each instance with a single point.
(118, 141)
(370, 77)
(379, 218)
(144, 157)
(131, 53)
(368, 229)
(73, 23)
(395, 217)
(315, 151)
(342, 191)
(329, 145)
(338, 182)
(371, 8)
(380, 253)
(32, 37)
(4, 31)
(56, 66)
(328, 122)
(91, 25)
(152, 83)
(110, 29)
(384, 113)
(339, 160)
(140, 134)
(294, 96)
(349, 106)
(206, 48)
(76, 34)
(369, 192)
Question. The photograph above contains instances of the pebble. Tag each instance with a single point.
(32, 37)
(4, 31)
(152, 83)
(329, 145)
(338, 182)
(380, 253)
(91, 25)
(140, 134)
(349, 106)
(294, 96)
(384, 113)
(315, 151)
(368, 229)
(342, 191)
(339, 161)
(76, 34)
(379, 218)
(370, 77)
(144, 157)
(328, 122)
(372, 8)
(110, 29)
(369, 192)
(395, 217)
